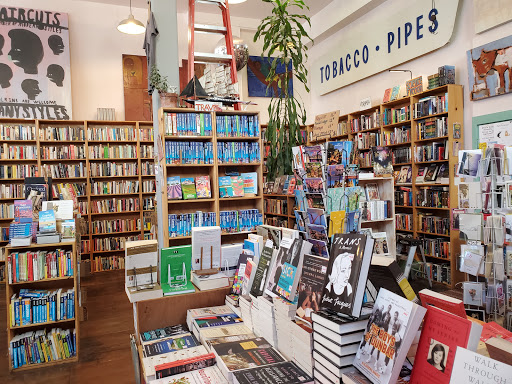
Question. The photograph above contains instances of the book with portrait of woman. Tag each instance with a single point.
(311, 284)
(347, 273)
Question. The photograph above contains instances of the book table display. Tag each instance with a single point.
(42, 299)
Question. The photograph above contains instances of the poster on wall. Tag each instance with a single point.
(490, 69)
(257, 69)
(35, 79)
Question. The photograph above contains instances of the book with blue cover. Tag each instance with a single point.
(47, 222)
(217, 320)
(225, 187)
(250, 183)
(171, 344)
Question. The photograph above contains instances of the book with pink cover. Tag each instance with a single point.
(238, 186)
(203, 188)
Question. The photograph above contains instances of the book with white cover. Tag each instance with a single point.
(207, 240)
(471, 367)
(149, 363)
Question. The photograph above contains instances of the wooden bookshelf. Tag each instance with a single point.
(454, 114)
(215, 203)
(141, 137)
(65, 282)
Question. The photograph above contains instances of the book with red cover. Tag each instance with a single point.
(447, 303)
(493, 329)
(184, 365)
(442, 333)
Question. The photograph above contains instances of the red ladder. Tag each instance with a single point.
(209, 58)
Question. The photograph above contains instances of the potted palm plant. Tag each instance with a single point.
(284, 38)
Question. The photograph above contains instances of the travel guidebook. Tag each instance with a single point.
(391, 329)
(174, 187)
(347, 273)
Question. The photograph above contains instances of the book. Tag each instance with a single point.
(469, 161)
(443, 302)
(338, 152)
(206, 311)
(354, 377)
(284, 373)
(63, 208)
(47, 222)
(208, 282)
(372, 192)
(386, 273)
(402, 177)
(314, 170)
(262, 270)
(216, 321)
(387, 95)
(250, 272)
(390, 332)
(203, 188)
(289, 259)
(174, 188)
(499, 349)
(381, 243)
(250, 183)
(175, 267)
(382, 161)
(314, 269)
(162, 333)
(493, 329)
(153, 364)
(347, 273)
(170, 344)
(37, 192)
(471, 367)
(314, 185)
(437, 346)
(208, 375)
(68, 229)
(237, 182)
(23, 211)
(420, 176)
(431, 173)
(395, 93)
(473, 293)
(291, 270)
(236, 288)
(188, 188)
(225, 186)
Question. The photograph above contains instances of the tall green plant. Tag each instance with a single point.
(284, 38)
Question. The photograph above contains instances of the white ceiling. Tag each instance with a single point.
(255, 9)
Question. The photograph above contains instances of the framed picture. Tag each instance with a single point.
(257, 69)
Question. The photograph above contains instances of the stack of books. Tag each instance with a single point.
(302, 342)
(245, 303)
(263, 319)
(284, 312)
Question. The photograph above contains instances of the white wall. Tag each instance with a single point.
(96, 52)
(347, 99)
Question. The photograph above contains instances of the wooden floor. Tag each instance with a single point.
(105, 355)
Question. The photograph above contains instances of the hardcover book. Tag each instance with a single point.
(391, 329)
(237, 182)
(208, 375)
(447, 303)
(311, 285)
(284, 373)
(225, 186)
(170, 344)
(471, 367)
(438, 344)
(203, 188)
(174, 188)
(175, 267)
(291, 270)
(262, 270)
(188, 188)
(347, 273)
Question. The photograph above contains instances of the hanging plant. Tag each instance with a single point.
(283, 35)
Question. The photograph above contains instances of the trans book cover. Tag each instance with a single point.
(384, 333)
(343, 271)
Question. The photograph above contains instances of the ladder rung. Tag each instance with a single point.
(210, 28)
(211, 57)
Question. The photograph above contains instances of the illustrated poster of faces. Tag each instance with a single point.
(35, 78)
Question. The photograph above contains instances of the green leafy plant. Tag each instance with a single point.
(284, 38)
(158, 81)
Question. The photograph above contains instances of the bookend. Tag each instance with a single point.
(210, 271)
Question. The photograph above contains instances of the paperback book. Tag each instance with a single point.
(314, 269)
(188, 188)
(175, 267)
(225, 186)
(174, 188)
(203, 188)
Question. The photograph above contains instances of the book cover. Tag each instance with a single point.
(23, 211)
(402, 176)
(162, 333)
(394, 93)
(431, 173)
(387, 95)
(251, 358)
(382, 164)
(442, 333)
(446, 303)
(347, 273)
(314, 170)
(153, 364)
(420, 176)
(314, 185)
(298, 157)
(170, 344)
(175, 267)
(217, 320)
(47, 222)
(250, 183)
(284, 373)
(188, 188)
(208, 375)
(262, 270)
(319, 248)
(316, 232)
(291, 270)
(311, 285)
(389, 333)
(335, 176)
(381, 243)
(372, 192)
(68, 229)
(236, 288)
(174, 188)
(185, 365)
(313, 154)
(203, 187)
(237, 183)
(338, 152)
(283, 256)
(471, 367)
(225, 186)
(37, 193)
(301, 219)
(231, 347)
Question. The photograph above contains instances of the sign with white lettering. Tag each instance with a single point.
(381, 42)
(366, 103)
(208, 106)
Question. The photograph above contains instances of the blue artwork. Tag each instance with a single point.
(490, 69)
(257, 70)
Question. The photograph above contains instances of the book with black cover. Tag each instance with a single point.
(262, 271)
(386, 273)
(347, 273)
(285, 373)
(311, 285)
(174, 343)
(341, 325)
(231, 347)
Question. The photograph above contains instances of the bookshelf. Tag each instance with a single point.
(64, 282)
(65, 152)
(214, 168)
(399, 133)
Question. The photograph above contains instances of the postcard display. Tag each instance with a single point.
(484, 219)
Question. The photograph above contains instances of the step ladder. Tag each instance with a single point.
(209, 58)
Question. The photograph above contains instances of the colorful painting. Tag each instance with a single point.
(34, 64)
(490, 69)
(257, 70)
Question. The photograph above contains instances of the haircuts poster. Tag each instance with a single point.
(35, 79)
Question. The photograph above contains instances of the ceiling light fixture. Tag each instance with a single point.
(131, 25)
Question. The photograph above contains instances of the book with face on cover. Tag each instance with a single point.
(311, 285)
(347, 273)
(291, 270)
(391, 329)
(382, 164)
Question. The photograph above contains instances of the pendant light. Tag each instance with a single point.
(131, 25)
